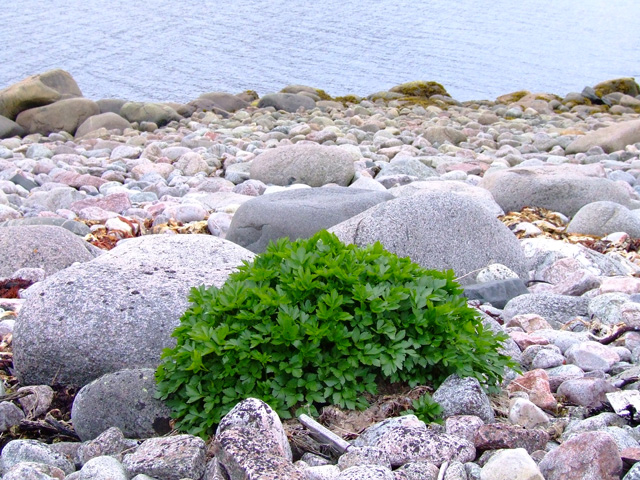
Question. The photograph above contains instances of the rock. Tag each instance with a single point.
(112, 105)
(49, 247)
(309, 164)
(191, 163)
(78, 228)
(556, 309)
(591, 356)
(610, 139)
(591, 455)
(110, 442)
(10, 415)
(103, 468)
(366, 472)
(225, 101)
(169, 458)
(529, 322)
(438, 231)
(132, 295)
(37, 90)
(440, 135)
(256, 414)
(463, 396)
(559, 189)
(123, 399)
(499, 435)
(52, 200)
(321, 472)
(417, 471)
(567, 276)
(602, 218)
(17, 451)
(525, 413)
(463, 426)
(33, 471)
(515, 464)
(289, 102)
(626, 85)
(498, 292)
(64, 115)
(536, 384)
(407, 166)
(245, 455)
(363, 456)
(600, 421)
(588, 392)
(420, 89)
(413, 442)
(108, 120)
(148, 112)
(297, 214)
(9, 128)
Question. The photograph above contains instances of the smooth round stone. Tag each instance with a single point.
(142, 197)
(186, 213)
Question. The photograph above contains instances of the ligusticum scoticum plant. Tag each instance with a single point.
(316, 322)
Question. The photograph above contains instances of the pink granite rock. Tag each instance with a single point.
(536, 384)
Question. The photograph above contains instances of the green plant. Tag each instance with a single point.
(316, 322)
(426, 409)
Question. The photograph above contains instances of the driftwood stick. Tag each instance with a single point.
(615, 335)
(324, 434)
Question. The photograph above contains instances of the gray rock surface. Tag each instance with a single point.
(366, 472)
(108, 120)
(103, 468)
(309, 164)
(123, 399)
(17, 451)
(289, 102)
(602, 218)
(555, 309)
(49, 247)
(464, 396)
(497, 292)
(438, 231)
(132, 295)
(512, 464)
(64, 115)
(225, 101)
(9, 128)
(297, 214)
(74, 227)
(34, 471)
(148, 112)
(610, 139)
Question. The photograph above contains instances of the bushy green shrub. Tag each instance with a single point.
(316, 322)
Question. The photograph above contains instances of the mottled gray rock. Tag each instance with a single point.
(54, 199)
(598, 422)
(363, 456)
(366, 472)
(463, 426)
(526, 413)
(17, 451)
(9, 128)
(256, 414)
(108, 120)
(496, 292)
(463, 396)
(78, 228)
(123, 399)
(633, 473)
(511, 464)
(502, 435)
(10, 415)
(555, 188)
(225, 101)
(610, 139)
(588, 392)
(321, 472)
(49, 247)
(440, 135)
(110, 442)
(168, 458)
(149, 112)
(602, 218)
(591, 356)
(289, 102)
(417, 471)
(438, 231)
(556, 309)
(297, 214)
(103, 468)
(606, 307)
(407, 166)
(64, 115)
(132, 295)
(37, 90)
(309, 164)
(34, 471)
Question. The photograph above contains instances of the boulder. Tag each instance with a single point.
(297, 214)
(64, 115)
(131, 300)
(41, 246)
(309, 164)
(555, 309)
(419, 89)
(627, 86)
(463, 396)
(558, 188)
(18, 451)
(102, 468)
(123, 399)
(36, 91)
(225, 101)
(610, 139)
(513, 464)
(108, 120)
(289, 102)
(149, 112)
(602, 218)
(112, 105)
(439, 231)
(9, 128)
(502, 435)
(78, 228)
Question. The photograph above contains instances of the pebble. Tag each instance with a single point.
(199, 169)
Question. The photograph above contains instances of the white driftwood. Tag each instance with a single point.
(324, 434)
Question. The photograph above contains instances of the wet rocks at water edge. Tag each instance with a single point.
(114, 209)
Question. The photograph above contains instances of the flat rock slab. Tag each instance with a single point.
(610, 139)
(297, 214)
(439, 231)
(117, 311)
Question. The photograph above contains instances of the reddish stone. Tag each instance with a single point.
(628, 285)
(524, 340)
(117, 202)
(589, 455)
(529, 322)
(536, 384)
(76, 180)
(630, 455)
(502, 435)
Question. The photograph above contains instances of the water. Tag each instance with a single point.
(175, 50)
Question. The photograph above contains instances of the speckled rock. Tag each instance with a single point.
(515, 464)
(555, 309)
(591, 356)
(17, 451)
(110, 442)
(363, 456)
(463, 396)
(417, 471)
(536, 384)
(33, 471)
(65, 115)
(463, 426)
(602, 218)
(524, 412)
(588, 392)
(103, 468)
(499, 435)
(610, 139)
(289, 102)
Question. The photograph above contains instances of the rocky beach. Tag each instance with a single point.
(112, 210)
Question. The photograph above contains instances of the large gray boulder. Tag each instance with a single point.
(310, 164)
(289, 102)
(65, 115)
(9, 128)
(439, 231)
(48, 247)
(611, 139)
(603, 218)
(561, 189)
(555, 309)
(224, 101)
(117, 311)
(37, 90)
(108, 120)
(149, 112)
(123, 399)
(297, 214)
